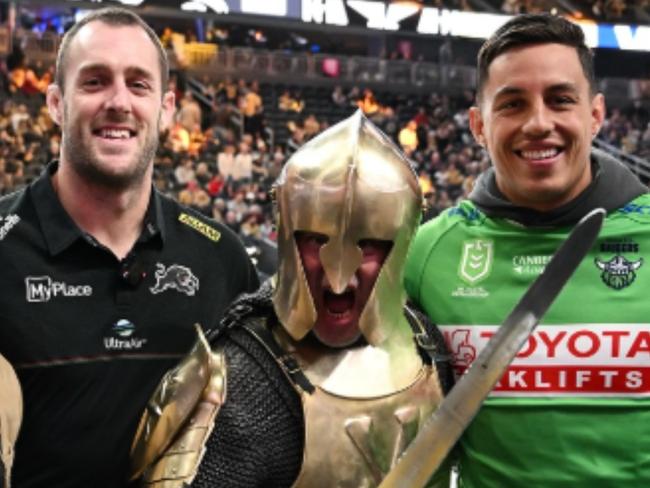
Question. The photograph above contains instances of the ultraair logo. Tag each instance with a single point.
(175, 277)
(476, 263)
(618, 272)
(41, 289)
(125, 341)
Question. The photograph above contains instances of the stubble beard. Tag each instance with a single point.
(86, 163)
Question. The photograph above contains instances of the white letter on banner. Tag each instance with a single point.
(429, 21)
(637, 41)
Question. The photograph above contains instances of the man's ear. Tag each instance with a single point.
(167, 110)
(54, 101)
(597, 113)
(476, 125)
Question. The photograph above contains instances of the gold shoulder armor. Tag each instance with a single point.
(179, 418)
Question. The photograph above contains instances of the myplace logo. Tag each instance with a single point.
(43, 289)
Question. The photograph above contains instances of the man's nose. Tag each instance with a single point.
(119, 98)
(539, 120)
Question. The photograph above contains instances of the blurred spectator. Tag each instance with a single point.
(23, 78)
(184, 173)
(338, 97)
(368, 103)
(196, 197)
(296, 139)
(226, 162)
(202, 174)
(252, 108)
(179, 137)
(290, 103)
(189, 113)
(196, 140)
(311, 126)
(243, 169)
(408, 137)
(238, 206)
(215, 185)
(262, 252)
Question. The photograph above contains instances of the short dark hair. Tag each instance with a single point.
(114, 16)
(529, 29)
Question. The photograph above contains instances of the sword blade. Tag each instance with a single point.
(441, 431)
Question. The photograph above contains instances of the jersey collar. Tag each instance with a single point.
(60, 231)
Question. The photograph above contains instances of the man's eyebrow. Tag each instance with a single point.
(130, 70)
(558, 87)
(139, 72)
(563, 87)
(94, 67)
(508, 90)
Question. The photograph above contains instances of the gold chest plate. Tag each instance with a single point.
(354, 442)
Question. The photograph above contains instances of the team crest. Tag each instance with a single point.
(618, 272)
(175, 277)
(476, 262)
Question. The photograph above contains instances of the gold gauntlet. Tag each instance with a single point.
(170, 440)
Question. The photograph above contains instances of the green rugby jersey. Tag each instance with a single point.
(573, 410)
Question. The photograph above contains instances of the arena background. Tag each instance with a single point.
(255, 79)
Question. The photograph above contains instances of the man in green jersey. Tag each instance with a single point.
(573, 409)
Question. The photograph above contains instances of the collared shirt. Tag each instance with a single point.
(91, 335)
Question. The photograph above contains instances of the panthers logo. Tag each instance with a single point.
(175, 277)
(618, 272)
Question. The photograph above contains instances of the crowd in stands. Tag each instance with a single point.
(223, 164)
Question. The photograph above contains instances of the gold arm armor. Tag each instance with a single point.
(11, 415)
(170, 441)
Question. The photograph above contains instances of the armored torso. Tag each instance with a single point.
(365, 406)
(354, 442)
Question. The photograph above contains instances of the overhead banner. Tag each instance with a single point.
(406, 16)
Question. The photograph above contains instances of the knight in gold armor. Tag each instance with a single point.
(323, 376)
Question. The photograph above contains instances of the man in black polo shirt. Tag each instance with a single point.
(103, 277)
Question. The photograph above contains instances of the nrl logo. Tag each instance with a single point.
(618, 272)
(476, 262)
(175, 277)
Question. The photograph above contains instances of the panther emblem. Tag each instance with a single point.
(175, 277)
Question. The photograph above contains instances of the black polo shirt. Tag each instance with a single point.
(90, 336)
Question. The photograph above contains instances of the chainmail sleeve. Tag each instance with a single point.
(258, 436)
